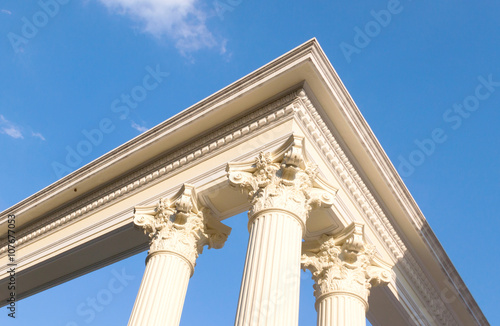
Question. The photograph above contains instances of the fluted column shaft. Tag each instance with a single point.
(341, 309)
(270, 287)
(344, 268)
(282, 189)
(166, 278)
(178, 229)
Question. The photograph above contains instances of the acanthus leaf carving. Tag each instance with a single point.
(290, 183)
(345, 263)
(180, 226)
(372, 210)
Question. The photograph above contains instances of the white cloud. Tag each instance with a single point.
(13, 130)
(5, 11)
(38, 135)
(8, 128)
(138, 127)
(184, 21)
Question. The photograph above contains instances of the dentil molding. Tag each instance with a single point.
(297, 104)
(158, 170)
(375, 215)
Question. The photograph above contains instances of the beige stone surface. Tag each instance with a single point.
(90, 212)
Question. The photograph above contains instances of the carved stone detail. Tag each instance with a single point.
(322, 134)
(158, 169)
(287, 183)
(345, 263)
(179, 225)
(297, 103)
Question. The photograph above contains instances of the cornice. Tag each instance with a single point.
(372, 147)
(360, 193)
(322, 73)
(157, 171)
(294, 103)
(215, 102)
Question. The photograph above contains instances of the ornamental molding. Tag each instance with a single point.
(344, 263)
(294, 104)
(283, 181)
(316, 127)
(180, 225)
(157, 171)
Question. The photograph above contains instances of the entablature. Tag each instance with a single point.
(297, 95)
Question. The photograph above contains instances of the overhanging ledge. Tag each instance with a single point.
(307, 65)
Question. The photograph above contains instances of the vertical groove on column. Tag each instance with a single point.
(167, 284)
(270, 286)
(259, 277)
(271, 226)
(295, 271)
(341, 310)
(145, 289)
(275, 275)
(257, 268)
(251, 270)
(162, 292)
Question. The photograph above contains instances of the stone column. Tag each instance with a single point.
(282, 191)
(344, 268)
(179, 230)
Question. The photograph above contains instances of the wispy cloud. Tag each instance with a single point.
(183, 21)
(138, 127)
(15, 131)
(38, 135)
(5, 11)
(12, 132)
(10, 129)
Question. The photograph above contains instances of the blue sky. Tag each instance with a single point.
(415, 71)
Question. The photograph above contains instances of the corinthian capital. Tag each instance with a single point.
(282, 181)
(181, 226)
(344, 263)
